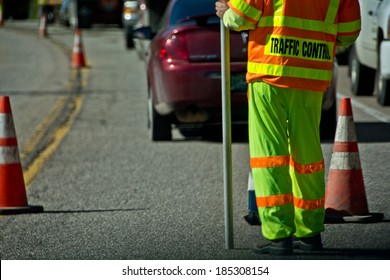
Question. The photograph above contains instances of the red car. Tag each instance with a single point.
(184, 72)
(184, 69)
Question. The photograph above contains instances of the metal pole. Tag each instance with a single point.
(227, 138)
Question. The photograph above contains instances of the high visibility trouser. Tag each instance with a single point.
(286, 160)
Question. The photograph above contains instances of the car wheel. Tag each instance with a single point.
(362, 77)
(129, 37)
(159, 126)
(191, 132)
(383, 91)
(328, 122)
(85, 18)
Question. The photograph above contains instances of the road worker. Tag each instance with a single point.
(42, 4)
(291, 51)
(1, 14)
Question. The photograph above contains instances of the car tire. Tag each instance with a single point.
(362, 77)
(383, 96)
(129, 37)
(191, 132)
(159, 126)
(85, 18)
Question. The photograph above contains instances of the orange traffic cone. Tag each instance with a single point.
(13, 199)
(252, 217)
(43, 26)
(345, 199)
(78, 58)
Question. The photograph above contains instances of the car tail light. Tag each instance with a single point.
(174, 49)
(129, 8)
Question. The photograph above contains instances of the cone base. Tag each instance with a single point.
(333, 216)
(78, 65)
(252, 218)
(21, 210)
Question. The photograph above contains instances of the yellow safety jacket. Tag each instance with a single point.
(289, 48)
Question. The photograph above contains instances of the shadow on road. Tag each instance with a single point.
(214, 134)
(342, 253)
(330, 254)
(93, 211)
(373, 132)
(366, 132)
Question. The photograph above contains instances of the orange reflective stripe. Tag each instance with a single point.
(309, 204)
(274, 200)
(304, 84)
(271, 161)
(278, 161)
(283, 199)
(307, 168)
(241, 14)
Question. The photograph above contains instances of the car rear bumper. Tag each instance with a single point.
(197, 87)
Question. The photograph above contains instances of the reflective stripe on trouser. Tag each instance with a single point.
(286, 160)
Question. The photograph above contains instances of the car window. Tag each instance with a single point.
(186, 12)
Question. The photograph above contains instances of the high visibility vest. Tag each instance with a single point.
(292, 43)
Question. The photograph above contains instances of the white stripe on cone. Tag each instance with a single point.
(345, 161)
(77, 49)
(9, 155)
(7, 126)
(347, 132)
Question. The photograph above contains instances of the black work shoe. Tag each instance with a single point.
(309, 244)
(281, 246)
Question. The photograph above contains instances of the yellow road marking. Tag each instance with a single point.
(56, 140)
(42, 127)
(76, 76)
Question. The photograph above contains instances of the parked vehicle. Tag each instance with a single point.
(370, 55)
(84, 13)
(150, 14)
(130, 17)
(184, 72)
(16, 9)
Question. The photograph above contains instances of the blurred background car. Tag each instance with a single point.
(370, 55)
(85, 13)
(184, 73)
(130, 17)
(184, 70)
(16, 9)
(25, 9)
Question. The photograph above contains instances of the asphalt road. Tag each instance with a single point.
(109, 193)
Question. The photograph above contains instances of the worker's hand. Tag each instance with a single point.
(221, 7)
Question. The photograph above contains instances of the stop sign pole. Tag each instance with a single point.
(227, 135)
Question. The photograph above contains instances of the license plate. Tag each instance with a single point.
(238, 82)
